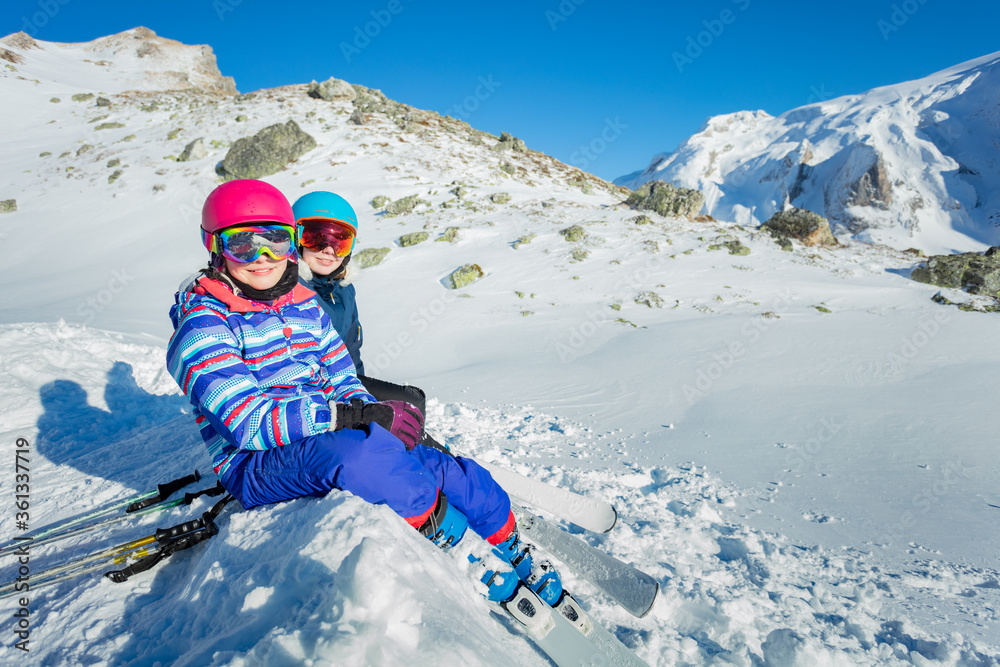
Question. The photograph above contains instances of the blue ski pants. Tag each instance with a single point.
(375, 466)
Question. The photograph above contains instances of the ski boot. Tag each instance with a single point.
(501, 581)
(540, 575)
(445, 526)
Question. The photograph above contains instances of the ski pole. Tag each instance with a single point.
(164, 543)
(152, 509)
(66, 570)
(132, 504)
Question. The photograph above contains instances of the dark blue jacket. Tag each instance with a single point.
(340, 303)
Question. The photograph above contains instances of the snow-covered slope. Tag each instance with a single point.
(911, 165)
(808, 487)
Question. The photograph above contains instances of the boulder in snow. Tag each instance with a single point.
(510, 142)
(407, 240)
(403, 206)
(370, 257)
(974, 272)
(8, 205)
(810, 228)
(450, 235)
(267, 152)
(331, 90)
(734, 247)
(464, 275)
(358, 118)
(193, 151)
(666, 199)
(574, 233)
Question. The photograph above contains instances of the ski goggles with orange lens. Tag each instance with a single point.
(319, 234)
(245, 244)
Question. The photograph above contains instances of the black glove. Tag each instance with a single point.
(398, 417)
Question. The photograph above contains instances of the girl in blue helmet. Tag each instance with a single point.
(328, 228)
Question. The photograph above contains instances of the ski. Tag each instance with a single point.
(589, 513)
(634, 590)
(565, 633)
(616, 652)
(563, 643)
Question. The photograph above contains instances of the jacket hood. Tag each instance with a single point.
(306, 273)
(201, 290)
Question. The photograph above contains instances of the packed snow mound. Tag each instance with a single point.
(135, 59)
(910, 165)
(335, 580)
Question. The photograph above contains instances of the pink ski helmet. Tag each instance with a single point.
(243, 202)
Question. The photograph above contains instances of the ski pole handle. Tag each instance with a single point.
(180, 529)
(165, 491)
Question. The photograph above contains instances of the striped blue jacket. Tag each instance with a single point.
(258, 375)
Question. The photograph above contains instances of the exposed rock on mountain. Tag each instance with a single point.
(161, 56)
(267, 152)
(666, 199)
(807, 227)
(332, 89)
(974, 272)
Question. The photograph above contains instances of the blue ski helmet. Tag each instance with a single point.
(322, 205)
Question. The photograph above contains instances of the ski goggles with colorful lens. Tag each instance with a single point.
(246, 243)
(319, 234)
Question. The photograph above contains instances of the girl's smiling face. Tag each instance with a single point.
(261, 274)
(322, 263)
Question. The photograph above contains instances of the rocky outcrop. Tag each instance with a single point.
(370, 257)
(20, 40)
(193, 151)
(873, 188)
(973, 272)
(809, 228)
(574, 233)
(464, 275)
(508, 142)
(267, 152)
(169, 64)
(666, 199)
(407, 240)
(403, 206)
(332, 89)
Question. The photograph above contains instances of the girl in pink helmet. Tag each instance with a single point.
(279, 403)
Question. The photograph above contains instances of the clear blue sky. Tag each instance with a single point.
(628, 80)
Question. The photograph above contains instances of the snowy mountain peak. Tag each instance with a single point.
(135, 59)
(910, 164)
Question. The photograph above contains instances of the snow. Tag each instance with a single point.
(808, 488)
